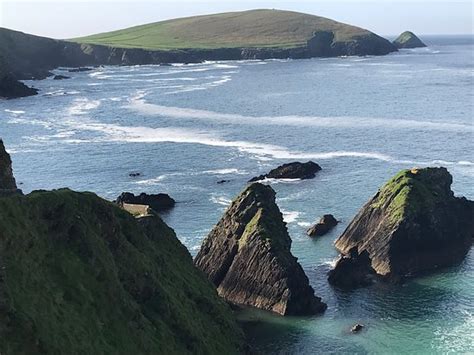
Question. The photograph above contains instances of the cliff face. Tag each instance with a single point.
(413, 224)
(408, 40)
(81, 276)
(247, 256)
(7, 181)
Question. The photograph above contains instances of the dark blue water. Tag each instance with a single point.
(187, 127)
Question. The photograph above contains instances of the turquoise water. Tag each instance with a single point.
(186, 127)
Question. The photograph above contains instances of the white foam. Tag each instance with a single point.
(220, 200)
(290, 216)
(82, 106)
(143, 107)
(16, 112)
(224, 171)
(304, 224)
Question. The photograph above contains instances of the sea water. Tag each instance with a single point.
(185, 127)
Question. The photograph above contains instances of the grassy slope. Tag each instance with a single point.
(255, 28)
(79, 275)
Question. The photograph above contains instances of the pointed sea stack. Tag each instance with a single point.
(414, 224)
(7, 181)
(408, 40)
(247, 257)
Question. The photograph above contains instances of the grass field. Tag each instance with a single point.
(254, 28)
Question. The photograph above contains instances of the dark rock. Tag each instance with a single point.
(352, 271)
(80, 69)
(295, 170)
(165, 65)
(134, 174)
(7, 180)
(408, 40)
(10, 87)
(247, 256)
(357, 328)
(325, 224)
(222, 181)
(414, 224)
(158, 202)
(61, 77)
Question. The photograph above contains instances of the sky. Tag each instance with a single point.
(73, 18)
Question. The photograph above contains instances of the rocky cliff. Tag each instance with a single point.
(81, 276)
(10, 87)
(408, 40)
(7, 180)
(247, 256)
(412, 225)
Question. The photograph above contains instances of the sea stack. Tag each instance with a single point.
(7, 181)
(247, 257)
(413, 224)
(408, 40)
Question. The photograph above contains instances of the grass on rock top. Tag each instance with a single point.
(254, 28)
(407, 193)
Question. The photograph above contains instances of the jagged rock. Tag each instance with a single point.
(325, 224)
(7, 180)
(408, 40)
(412, 225)
(222, 181)
(294, 170)
(357, 328)
(158, 202)
(134, 174)
(80, 69)
(352, 271)
(247, 257)
(61, 77)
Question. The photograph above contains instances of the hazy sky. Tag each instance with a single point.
(67, 19)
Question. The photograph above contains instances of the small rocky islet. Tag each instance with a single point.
(408, 40)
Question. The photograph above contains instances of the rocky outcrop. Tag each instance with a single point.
(413, 224)
(81, 276)
(295, 170)
(247, 257)
(352, 271)
(10, 87)
(7, 180)
(158, 202)
(408, 40)
(325, 224)
(60, 77)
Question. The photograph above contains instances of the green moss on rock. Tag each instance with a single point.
(81, 276)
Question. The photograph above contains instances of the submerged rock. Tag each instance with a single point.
(325, 224)
(158, 202)
(408, 40)
(295, 170)
(61, 77)
(80, 69)
(7, 180)
(412, 225)
(247, 256)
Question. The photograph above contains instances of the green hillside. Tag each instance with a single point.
(80, 276)
(255, 28)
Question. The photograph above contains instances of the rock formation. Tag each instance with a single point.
(60, 77)
(408, 40)
(158, 202)
(247, 257)
(295, 170)
(10, 87)
(79, 275)
(352, 271)
(412, 225)
(7, 180)
(325, 224)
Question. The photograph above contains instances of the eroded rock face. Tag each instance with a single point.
(7, 181)
(325, 224)
(247, 257)
(352, 271)
(408, 40)
(294, 170)
(158, 202)
(412, 225)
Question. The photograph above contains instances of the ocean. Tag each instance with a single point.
(185, 127)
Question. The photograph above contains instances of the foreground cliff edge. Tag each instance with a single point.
(247, 257)
(414, 224)
(80, 275)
